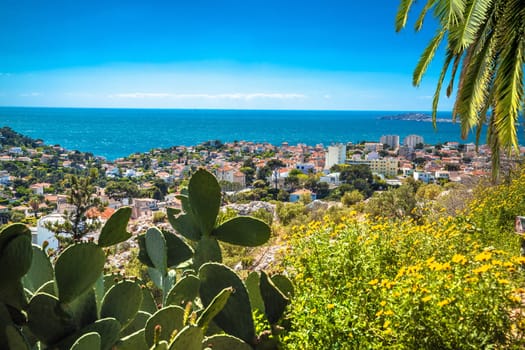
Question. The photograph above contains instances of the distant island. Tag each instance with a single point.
(418, 117)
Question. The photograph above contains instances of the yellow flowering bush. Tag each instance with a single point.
(365, 283)
(494, 208)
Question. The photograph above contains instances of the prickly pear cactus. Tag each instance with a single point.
(69, 303)
(198, 222)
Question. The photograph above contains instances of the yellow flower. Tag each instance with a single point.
(459, 259)
(481, 269)
(383, 303)
(426, 299)
(483, 256)
(386, 324)
(519, 259)
(379, 313)
(503, 281)
(389, 313)
(373, 282)
(515, 298)
(445, 302)
(330, 306)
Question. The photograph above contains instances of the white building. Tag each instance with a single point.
(336, 154)
(331, 179)
(423, 176)
(43, 234)
(305, 168)
(412, 140)
(384, 166)
(391, 140)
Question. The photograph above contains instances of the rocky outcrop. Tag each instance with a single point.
(250, 208)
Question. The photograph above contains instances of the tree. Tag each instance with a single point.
(485, 41)
(121, 189)
(352, 197)
(34, 203)
(80, 195)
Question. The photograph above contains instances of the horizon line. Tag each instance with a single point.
(231, 109)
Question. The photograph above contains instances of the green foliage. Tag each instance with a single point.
(352, 197)
(114, 231)
(394, 203)
(77, 269)
(236, 316)
(121, 189)
(494, 209)
(289, 212)
(69, 304)
(199, 221)
(366, 283)
(122, 302)
(80, 195)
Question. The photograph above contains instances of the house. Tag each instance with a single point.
(331, 179)
(165, 176)
(16, 150)
(143, 207)
(38, 188)
(4, 177)
(296, 196)
(425, 177)
(305, 168)
(104, 215)
(230, 174)
(442, 175)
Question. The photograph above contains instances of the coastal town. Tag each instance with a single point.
(32, 174)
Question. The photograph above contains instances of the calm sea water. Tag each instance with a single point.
(114, 133)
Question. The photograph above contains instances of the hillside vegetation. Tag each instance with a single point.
(434, 282)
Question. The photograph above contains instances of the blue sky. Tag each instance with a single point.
(253, 54)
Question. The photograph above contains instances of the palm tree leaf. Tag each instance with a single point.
(449, 12)
(475, 16)
(437, 93)
(402, 14)
(427, 57)
(509, 92)
(472, 96)
(423, 14)
(455, 66)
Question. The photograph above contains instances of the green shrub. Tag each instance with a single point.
(159, 216)
(368, 284)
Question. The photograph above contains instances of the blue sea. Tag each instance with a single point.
(115, 133)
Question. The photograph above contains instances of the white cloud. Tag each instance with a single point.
(229, 96)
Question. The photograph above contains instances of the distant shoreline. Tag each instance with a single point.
(418, 117)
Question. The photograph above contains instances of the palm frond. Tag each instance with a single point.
(449, 12)
(423, 14)
(427, 57)
(509, 92)
(467, 58)
(472, 97)
(437, 93)
(402, 14)
(475, 16)
(455, 66)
